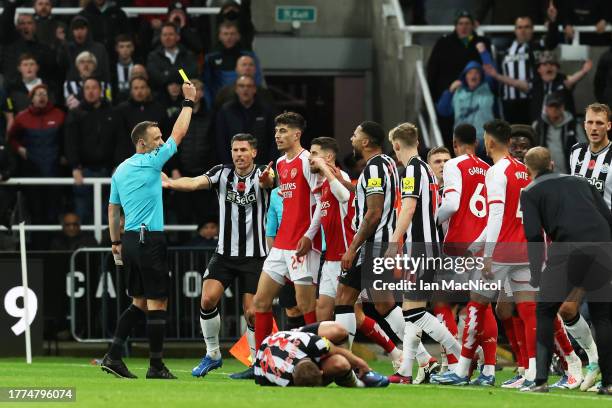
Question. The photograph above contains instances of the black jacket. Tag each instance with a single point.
(67, 54)
(603, 78)
(106, 25)
(129, 114)
(257, 120)
(161, 69)
(90, 136)
(568, 209)
(448, 58)
(195, 153)
(568, 135)
(539, 90)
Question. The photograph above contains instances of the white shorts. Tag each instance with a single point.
(330, 274)
(283, 264)
(513, 277)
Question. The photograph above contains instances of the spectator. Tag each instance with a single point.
(7, 116)
(8, 169)
(86, 64)
(470, 99)
(46, 24)
(120, 73)
(90, 134)
(448, 58)
(36, 136)
(519, 60)
(558, 130)
(245, 66)
(21, 40)
(603, 78)
(18, 91)
(107, 21)
(246, 114)
(189, 35)
(522, 138)
(81, 41)
(139, 70)
(139, 107)
(208, 234)
(548, 80)
(220, 65)
(170, 96)
(240, 14)
(71, 238)
(587, 13)
(194, 157)
(166, 60)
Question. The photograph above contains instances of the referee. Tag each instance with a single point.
(136, 187)
(575, 217)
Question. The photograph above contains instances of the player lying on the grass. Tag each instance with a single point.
(309, 357)
(243, 191)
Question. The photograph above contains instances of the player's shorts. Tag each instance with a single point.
(146, 265)
(226, 269)
(286, 297)
(330, 273)
(283, 264)
(312, 328)
(517, 275)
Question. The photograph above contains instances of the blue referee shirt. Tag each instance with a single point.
(136, 186)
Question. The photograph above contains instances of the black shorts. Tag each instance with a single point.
(227, 268)
(146, 265)
(312, 328)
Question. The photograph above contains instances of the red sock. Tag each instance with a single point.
(445, 315)
(310, 317)
(372, 331)
(509, 329)
(474, 325)
(526, 311)
(263, 327)
(519, 332)
(561, 338)
(488, 338)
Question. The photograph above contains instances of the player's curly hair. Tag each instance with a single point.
(307, 374)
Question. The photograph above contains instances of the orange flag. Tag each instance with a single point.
(241, 351)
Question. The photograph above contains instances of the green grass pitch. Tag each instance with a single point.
(97, 389)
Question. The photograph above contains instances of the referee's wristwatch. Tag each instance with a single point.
(116, 242)
(188, 103)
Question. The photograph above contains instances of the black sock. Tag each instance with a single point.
(125, 324)
(156, 328)
(295, 322)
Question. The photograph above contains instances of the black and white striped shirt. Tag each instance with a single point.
(595, 167)
(419, 182)
(123, 76)
(242, 211)
(75, 88)
(378, 177)
(517, 63)
(281, 351)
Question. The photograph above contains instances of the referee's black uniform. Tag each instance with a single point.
(575, 217)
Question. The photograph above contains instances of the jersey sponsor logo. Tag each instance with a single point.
(375, 182)
(521, 175)
(595, 182)
(239, 199)
(407, 184)
(285, 189)
(324, 206)
(293, 173)
(477, 170)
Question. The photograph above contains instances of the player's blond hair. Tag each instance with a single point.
(599, 108)
(406, 133)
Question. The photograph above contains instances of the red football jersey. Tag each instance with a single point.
(297, 184)
(336, 220)
(465, 175)
(505, 180)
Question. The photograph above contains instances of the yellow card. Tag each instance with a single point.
(183, 75)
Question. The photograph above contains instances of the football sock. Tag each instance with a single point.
(211, 323)
(581, 332)
(126, 322)
(156, 329)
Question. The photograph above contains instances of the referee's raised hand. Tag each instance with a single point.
(189, 91)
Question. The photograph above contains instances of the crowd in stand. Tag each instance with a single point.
(73, 87)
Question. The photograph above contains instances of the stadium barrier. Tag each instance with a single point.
(97, 182)
(130, 11)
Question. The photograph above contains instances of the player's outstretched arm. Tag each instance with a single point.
(182, 122)
(186, 183)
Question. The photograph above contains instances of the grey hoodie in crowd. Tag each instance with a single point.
(559, 138)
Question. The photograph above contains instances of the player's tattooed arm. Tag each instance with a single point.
(370, 222)
(186, 183)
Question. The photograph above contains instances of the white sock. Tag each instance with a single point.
(395, 318)
(423, 355)
(480, 354)
(463, 367)
(347, 320)
(581, 332)
(521, 371)
(437, 331)
(488, 369)
(211, 323)
(250, 333)
(530, 372)
(396, 354)
(412, 338)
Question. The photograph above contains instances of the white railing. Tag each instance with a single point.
(97, 183)
(429, 105)
(130, 11)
